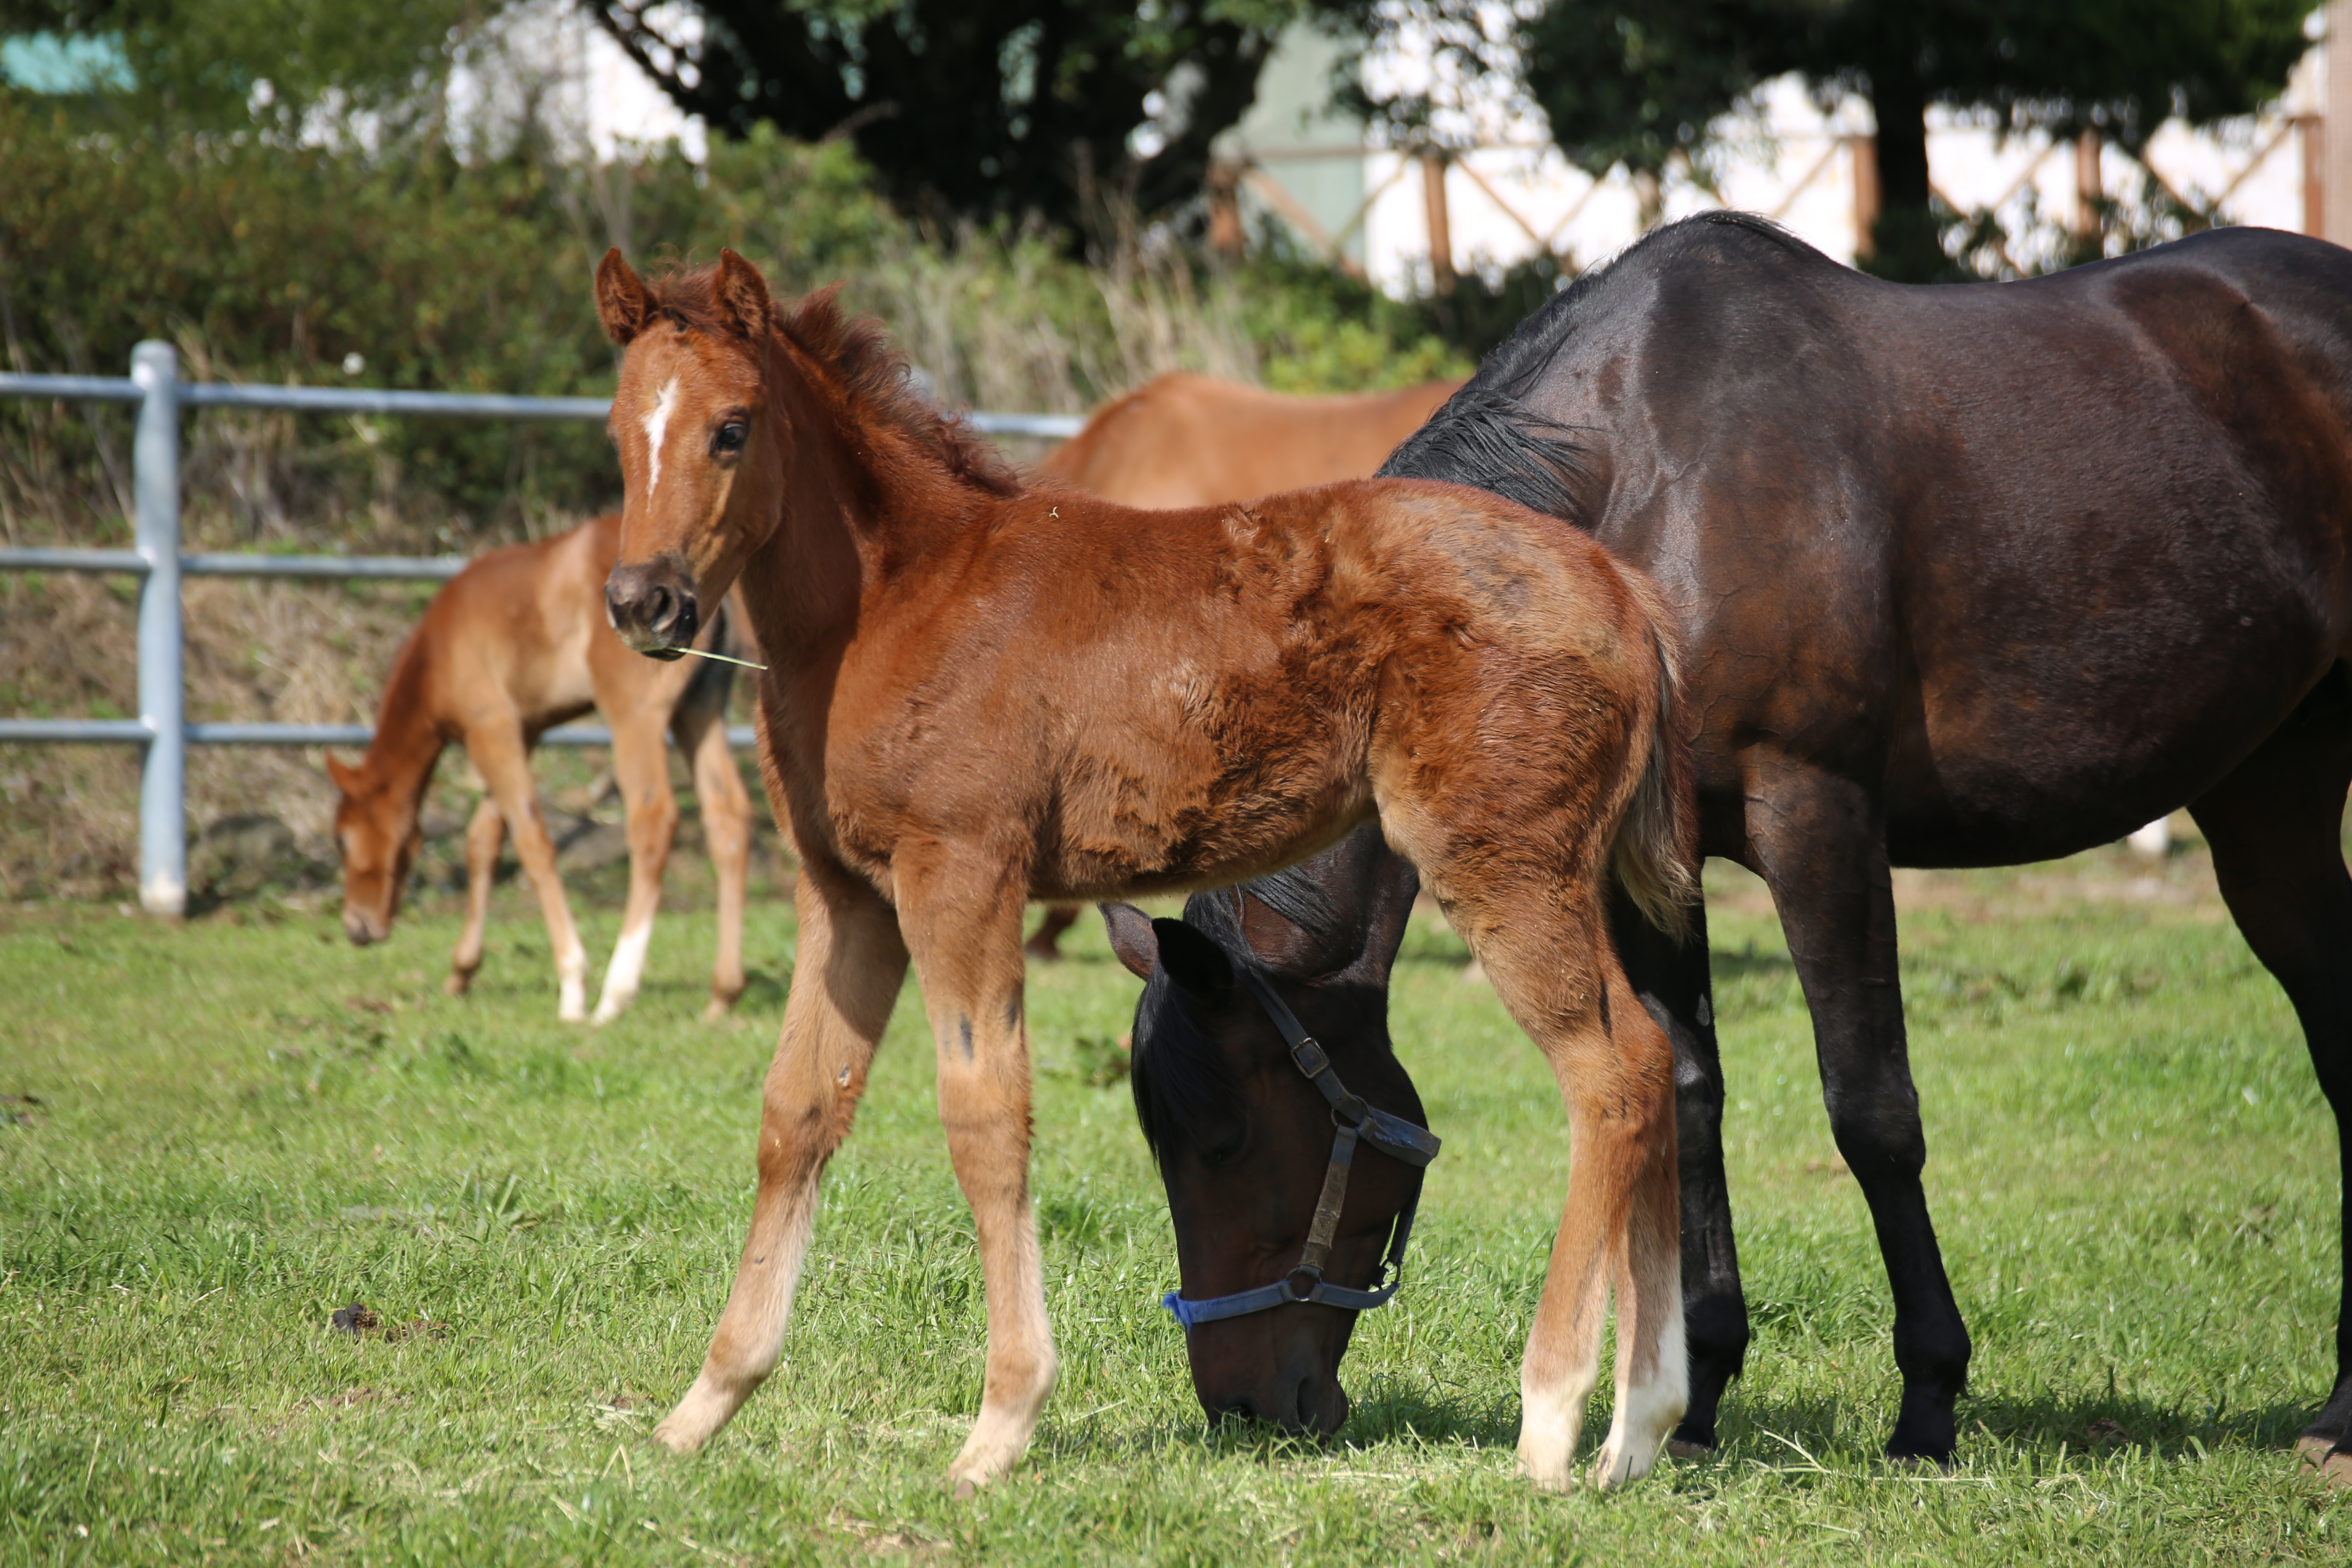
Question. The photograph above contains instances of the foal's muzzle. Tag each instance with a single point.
(652, 608)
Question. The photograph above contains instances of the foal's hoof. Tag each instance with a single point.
(2323, 1458)
(966, 1489)
(719, 1010)
(460, 981)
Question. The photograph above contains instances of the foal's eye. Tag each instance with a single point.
(730, 437)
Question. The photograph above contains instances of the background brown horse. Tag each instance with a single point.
(979, 694)
(515, 644)
(1182, 439)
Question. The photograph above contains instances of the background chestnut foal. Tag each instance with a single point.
(515, 644)
(978, 695)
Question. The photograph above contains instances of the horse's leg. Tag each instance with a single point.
(1821, 844)
(1545, 949)
(2275, 825)
(963, 921)
(1047, 943)
(1670, 980)
(641, 764)
(483, 835)
(505, 766)
(726, 827)
(851, 965)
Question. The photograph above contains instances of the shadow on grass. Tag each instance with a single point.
(1808, 1432)
(2106, 1422)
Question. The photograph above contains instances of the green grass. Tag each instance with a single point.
(243, 1124)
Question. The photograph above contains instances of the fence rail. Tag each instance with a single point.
(161, 727)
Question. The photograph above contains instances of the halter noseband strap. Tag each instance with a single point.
(1392, 1136)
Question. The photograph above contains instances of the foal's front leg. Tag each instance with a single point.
(962, 915)
(851, 963)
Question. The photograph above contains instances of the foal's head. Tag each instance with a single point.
(730, 413)
(1243, 1139)
(376, 828)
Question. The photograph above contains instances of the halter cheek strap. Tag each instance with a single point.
(1392, 1136)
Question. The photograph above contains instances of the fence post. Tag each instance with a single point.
(155, 469)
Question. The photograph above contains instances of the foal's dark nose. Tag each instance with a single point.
(652, 608)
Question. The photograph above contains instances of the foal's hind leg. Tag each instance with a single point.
(851, 965)
(2276, 826)
(1548, 956)
(483, 835)
(961, 916)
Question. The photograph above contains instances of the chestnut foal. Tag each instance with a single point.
(515, 644)
(978, 695)
(1181, 439)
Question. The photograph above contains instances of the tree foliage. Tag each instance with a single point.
(1638, 82)
(973, 107)
(204, 62)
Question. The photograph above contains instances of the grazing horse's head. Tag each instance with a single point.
(375, 826)
(701, 462)
(1243, 1139)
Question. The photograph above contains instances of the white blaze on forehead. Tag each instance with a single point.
(656, 424)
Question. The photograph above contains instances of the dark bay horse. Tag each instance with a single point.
(515, 644)
(1966, 576)
(980, 694)
(1182, 440)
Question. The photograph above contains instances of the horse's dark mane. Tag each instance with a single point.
(1486, 437)
(870, 374)
(1183, 1085)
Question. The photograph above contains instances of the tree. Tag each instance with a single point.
(204, 62)
(972, 107)
(1635, 81)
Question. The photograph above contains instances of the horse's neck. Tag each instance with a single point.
(408, 738)
(859, 510)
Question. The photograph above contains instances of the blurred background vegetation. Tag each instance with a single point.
(326, 192)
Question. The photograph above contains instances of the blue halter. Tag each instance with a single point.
(1392, 1136)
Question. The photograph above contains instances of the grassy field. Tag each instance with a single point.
(243, 1124)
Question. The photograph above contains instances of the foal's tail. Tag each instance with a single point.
(1655, 855)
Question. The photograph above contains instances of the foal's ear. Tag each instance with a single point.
(1192, 960)
(1132, 938)
(622, 302)
(343, 772)
(744, 293)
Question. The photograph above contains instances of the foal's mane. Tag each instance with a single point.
(862, 374)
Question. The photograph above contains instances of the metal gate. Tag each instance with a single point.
(161, 727)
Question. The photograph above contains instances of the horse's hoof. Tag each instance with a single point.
(966, 1489)
(607, 1011)
(676, 1441)
(719, 1010)
(1677, 1448)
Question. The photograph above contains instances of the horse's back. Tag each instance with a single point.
(2048, 556)
(526, 632)
(1185, 440)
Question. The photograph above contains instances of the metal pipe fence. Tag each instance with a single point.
(161, 727)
